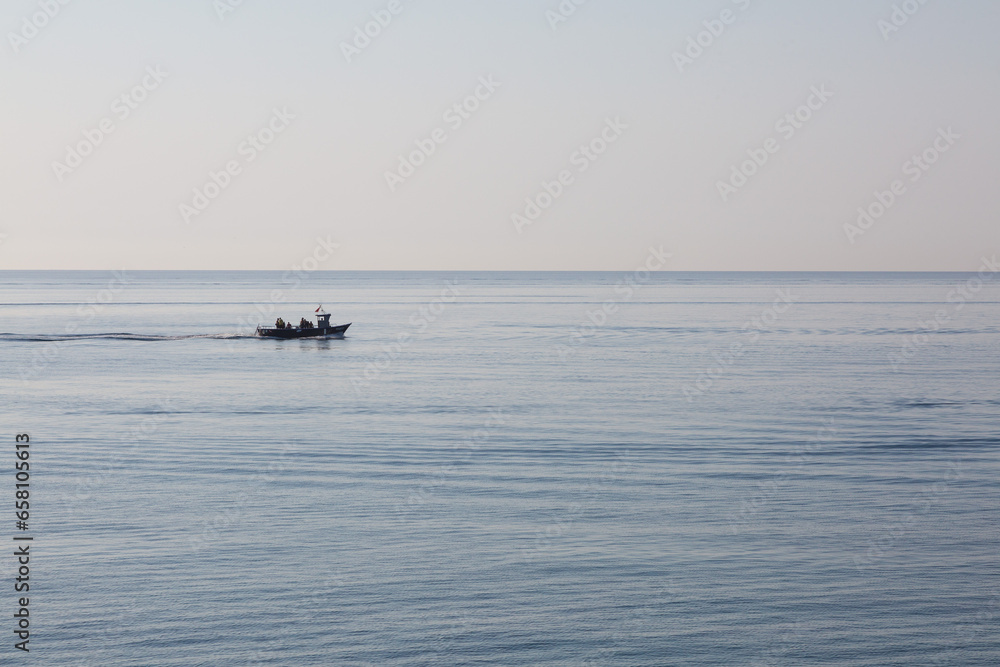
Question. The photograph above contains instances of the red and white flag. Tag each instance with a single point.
(320, 308)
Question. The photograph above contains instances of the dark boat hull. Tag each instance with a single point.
(314, 332)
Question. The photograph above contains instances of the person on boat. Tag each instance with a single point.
(280, 324)
(305, 324)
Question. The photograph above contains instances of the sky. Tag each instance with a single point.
(742, 135)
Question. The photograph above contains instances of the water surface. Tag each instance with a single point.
(509, 468)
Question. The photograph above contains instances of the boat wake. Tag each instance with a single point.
(53, 338)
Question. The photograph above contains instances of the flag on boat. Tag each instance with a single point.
(320, 308)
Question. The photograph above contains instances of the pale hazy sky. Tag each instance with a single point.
(672, 129)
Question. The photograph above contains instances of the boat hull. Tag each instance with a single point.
(313, 332)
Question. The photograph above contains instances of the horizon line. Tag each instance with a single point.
(105, 270)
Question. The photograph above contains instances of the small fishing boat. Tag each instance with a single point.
(322, 329)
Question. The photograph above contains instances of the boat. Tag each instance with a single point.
(323, 329)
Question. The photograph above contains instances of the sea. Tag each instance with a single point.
(496, 468)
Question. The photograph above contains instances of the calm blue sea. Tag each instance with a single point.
(506, 468)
